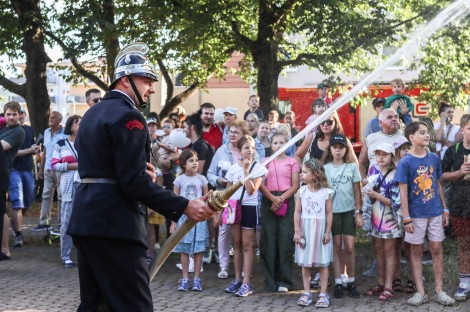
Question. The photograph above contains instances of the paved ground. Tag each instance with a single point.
(35, 280)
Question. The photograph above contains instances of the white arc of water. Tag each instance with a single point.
(455, 11)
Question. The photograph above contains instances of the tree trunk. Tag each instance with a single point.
(264, 52)
(111, 41)
(36, 95)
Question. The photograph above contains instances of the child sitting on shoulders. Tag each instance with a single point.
(399, 101)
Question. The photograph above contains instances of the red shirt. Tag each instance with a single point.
(213, 136)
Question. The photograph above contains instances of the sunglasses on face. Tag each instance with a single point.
(327, 122)
(166, 127)
(96, 100)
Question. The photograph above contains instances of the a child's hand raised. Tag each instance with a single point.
(246, 164)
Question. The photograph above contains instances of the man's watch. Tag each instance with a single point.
(359, 212)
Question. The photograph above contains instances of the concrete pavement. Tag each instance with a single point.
(35, 280)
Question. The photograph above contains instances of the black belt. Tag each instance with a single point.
(99, 180)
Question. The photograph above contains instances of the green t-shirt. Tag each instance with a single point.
(341, 179)
(15, 137)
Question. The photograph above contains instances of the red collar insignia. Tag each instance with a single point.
(134, 124)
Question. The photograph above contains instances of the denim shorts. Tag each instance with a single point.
(21, 189)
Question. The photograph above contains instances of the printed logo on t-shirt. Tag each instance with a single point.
(312, 207)
(191, 192)
(423, 183)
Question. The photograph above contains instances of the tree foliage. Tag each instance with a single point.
(444, 64)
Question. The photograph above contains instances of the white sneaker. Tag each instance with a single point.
(282, 289)
(462, 293)
(223, 273)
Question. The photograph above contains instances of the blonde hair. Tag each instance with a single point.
(240, 124)
(283, 129)
(398, 81)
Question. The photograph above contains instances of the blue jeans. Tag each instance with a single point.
(21, 189)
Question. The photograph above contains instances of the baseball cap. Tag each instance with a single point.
(323, 85)
(385, 147)
(400, 141)
(338, 139)
(230, 110)
(377, 101)
(150, 120)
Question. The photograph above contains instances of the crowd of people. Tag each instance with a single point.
(304, 207)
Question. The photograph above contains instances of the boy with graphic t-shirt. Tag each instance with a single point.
(424, 209)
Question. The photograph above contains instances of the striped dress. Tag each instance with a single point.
(313, 225)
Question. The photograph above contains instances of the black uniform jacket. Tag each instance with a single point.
(113, 142)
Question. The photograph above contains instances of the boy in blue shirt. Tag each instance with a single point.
(424, 209)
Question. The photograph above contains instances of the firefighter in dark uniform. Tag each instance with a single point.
(108, 223)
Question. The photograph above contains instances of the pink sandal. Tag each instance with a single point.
(375, 291)
(386, 295)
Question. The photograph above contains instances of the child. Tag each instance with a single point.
(402, 148)
(191, 185)
(253, 104)
(243, 232)
(384, 195)
(424, 209)
(456, 167)
(318, 107)
(153, 224)
(344, 179)
(312, 223)
(167, 153)
(400, 102)
(373, 124)
(277, 232)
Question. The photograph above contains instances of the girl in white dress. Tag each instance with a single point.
(312, 225)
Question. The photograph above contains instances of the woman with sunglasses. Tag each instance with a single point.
(315, 144)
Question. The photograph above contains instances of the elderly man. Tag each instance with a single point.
(108, 222)
(51, 179)
(390, 133)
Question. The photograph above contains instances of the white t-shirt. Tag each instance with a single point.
(235, 174)
(454, 129)
(191, 186)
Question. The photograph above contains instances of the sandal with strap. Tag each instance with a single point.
(410, 287)
(386, 295)
(375, 291)
(305, 300)
(397, 285)
(323, 301)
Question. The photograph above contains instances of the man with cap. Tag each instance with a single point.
(230, 114)
(373, 124)
(108, 223)
(322, 90)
